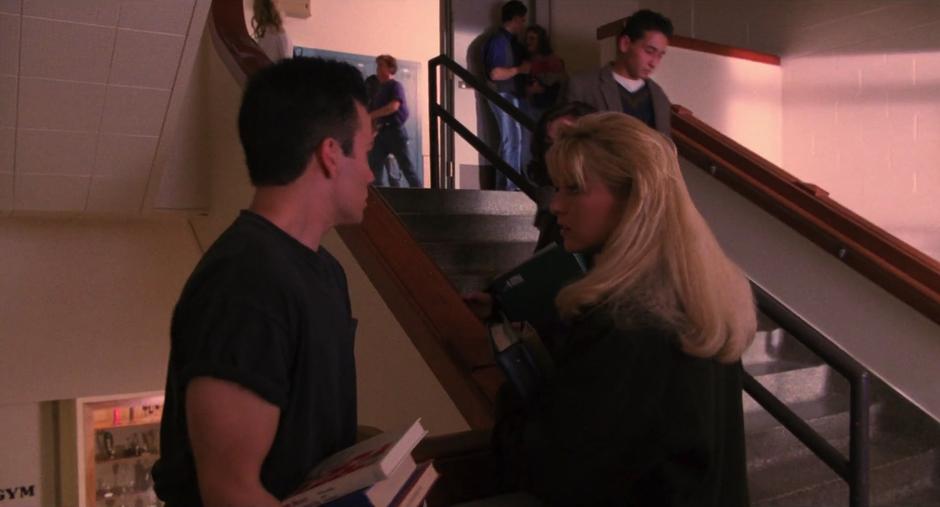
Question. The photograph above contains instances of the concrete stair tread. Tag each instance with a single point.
(465, 229)
(777, 366)
(800, 385)
(923, 497)
(760, 420)
(807, 475)
(479, 202)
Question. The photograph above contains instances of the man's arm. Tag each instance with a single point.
(385, 110)
(231, 430)
(504, 73)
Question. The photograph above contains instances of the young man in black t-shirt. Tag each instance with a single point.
(261, 382)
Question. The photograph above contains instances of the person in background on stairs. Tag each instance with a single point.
(546, 131)
(625, 84)
(261, 381)
(506, 69)
(643, 405)
(546, 72)
(269, 31)
(388, 110)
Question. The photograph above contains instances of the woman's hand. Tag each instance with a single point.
(480, 303)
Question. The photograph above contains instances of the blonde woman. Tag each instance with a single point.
(269, 31)
(644, 407)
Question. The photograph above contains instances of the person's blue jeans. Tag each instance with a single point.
(393, 140)
(511, 146)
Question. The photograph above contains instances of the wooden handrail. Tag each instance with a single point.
(447, 335)
(613, 28)
(907, 273)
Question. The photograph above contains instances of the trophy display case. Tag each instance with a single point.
(121, 442)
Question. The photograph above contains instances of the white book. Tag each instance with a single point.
(356, 467)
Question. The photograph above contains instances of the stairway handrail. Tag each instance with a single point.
(903, 271)
(438, 112)
(856, 469)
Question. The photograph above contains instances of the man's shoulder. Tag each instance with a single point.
(498, 38)
(593, 76)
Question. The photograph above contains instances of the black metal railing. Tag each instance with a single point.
(439, 113)
(855, 469)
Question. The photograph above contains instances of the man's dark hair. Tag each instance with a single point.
(645, 20)
(536, 170)
(545, 44)
(289, 108)
(513, 9)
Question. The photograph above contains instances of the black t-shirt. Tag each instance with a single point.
(266, 312)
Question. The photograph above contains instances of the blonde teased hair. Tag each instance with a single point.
(265, 16)
(661, 260)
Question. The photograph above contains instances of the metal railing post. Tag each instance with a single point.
(434, 122)
(859, 450)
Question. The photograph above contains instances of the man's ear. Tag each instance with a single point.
(623, 43)
(327, 155)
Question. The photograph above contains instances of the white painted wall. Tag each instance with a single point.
(574, 26)
(85, 304)
(740, 98)
(861, 83)
(864, 124)
(20, 466)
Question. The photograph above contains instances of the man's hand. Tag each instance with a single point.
(231, 430)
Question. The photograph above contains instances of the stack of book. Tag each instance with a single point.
(378, 472)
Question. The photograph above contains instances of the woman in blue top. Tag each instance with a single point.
(644, 403)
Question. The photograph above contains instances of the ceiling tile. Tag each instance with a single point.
(6, 192)
(10, 6)
(167, 16)
(129, 110)
(7, 141)
(121, 156)
(7, 101)
(9, 44)
(96, 12)
(50, 192)
(146, 59)
(62, 50)
(116, 195)
(55, 152)
(61, 105)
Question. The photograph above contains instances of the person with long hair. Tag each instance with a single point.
(546, 71)
(643, 406)
(269, 30)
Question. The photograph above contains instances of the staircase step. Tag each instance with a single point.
(928, 496)
(799, 385)
(773, 344)
(471, 228)
(769, 442)
(897, 469)
(478, 258)
(451, 202)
